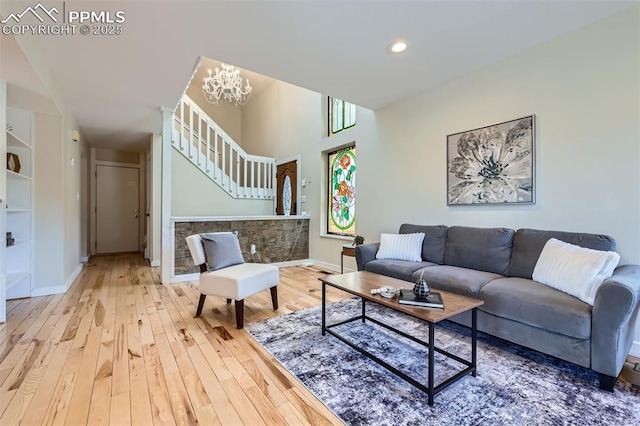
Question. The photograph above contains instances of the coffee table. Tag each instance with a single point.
(361, 283)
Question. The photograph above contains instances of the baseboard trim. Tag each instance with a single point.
(48, 291)
(155, 263)
(184, 277)
(57, 289)
(73, 276)
(290, 263)
(635, 349)
(332, 267)
(84, 259)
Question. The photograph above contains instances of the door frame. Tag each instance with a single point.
(94, 200)
(298, 159)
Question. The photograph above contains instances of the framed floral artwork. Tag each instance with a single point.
(492, 164)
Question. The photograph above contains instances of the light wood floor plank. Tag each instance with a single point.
(120, 348)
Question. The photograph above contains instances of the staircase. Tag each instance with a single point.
(216, 154)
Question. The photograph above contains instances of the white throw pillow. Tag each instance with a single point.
(401, 247)
(575, 270)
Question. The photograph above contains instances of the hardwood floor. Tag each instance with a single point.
(120, 348)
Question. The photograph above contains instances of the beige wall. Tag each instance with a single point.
(225, 115)
(50, 242)
(194, 194)
(270, 128)
(584, 90)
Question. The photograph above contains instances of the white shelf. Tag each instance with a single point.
(15, 277)
(18, 205)
(18, 175)
(18, 285)
(14, 140)
(17, 243)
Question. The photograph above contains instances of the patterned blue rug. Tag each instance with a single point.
(514, 386)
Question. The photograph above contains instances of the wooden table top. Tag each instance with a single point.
(362, 282)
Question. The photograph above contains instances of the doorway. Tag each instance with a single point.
(287, 188)
(117, 209)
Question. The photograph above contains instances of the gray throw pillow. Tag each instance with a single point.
(222, 250)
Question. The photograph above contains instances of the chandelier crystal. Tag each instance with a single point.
(226, 85)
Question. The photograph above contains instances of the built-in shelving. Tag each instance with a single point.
(19, 205)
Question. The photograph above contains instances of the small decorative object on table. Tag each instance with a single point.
(433, 300)
(13, 162)
(421, 288)
(357, 240)
(387, 292)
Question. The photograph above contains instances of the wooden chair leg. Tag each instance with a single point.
(200, 304)
(274, 297)
(228, 301)
(240, 314)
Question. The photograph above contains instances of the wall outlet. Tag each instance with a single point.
(253, 249)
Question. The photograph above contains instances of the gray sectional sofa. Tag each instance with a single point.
(496, 265)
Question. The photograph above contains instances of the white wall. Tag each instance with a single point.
(286, 120)
(49, 203)
(194, 194)
(584, 90)
(72, 206)
(225, 115)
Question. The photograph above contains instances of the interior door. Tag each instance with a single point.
(286, 188)
(117, 209)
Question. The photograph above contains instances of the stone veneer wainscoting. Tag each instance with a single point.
(274, 239)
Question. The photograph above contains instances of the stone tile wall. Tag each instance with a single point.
(274, 240)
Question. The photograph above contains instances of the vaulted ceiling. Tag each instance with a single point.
(115, 85)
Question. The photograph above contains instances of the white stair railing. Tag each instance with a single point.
(212, 150)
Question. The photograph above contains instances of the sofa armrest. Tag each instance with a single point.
(365, 253)
(614, 316)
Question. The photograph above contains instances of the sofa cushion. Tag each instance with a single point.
(528, 244)
(400, 269)
(466, 282)
(576, 270)
(434, 240)
(537, 305)
(401, 247)
(484, 249)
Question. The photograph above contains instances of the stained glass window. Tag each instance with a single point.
(342, 192)
(342, 115)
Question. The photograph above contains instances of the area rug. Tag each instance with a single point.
(514, 386)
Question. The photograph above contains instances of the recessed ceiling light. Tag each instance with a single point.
(398, 46)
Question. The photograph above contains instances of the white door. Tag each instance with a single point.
(117, 209)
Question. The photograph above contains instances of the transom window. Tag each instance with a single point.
(342, 115)
(341, 213)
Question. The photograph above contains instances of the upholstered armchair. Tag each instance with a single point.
(223, 272)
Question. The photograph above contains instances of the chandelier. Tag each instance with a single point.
(226, 85)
